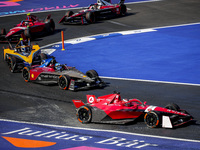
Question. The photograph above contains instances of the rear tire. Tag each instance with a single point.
(152, 119)
(27, 33)
(63, 82)
(3, 31)
(90, 17)
(123, 10)
(50, 27)
(68, 14)
(26, 74)
(42, 56)
(84, 114)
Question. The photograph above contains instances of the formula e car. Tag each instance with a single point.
(31, 27)
(51, 72)
(23, 54)
(112, 109)
(101, 9)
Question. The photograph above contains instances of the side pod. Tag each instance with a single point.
(78, 103)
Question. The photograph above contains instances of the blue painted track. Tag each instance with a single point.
(169, 54)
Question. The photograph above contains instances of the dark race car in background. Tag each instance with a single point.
(101, 9)
(51, 72)
(112, 109)
(31, 27)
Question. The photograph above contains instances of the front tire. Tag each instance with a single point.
(63, 82)
(26, 74)
(152, 119)
(84, 114)
(92, 74)
(11, 63)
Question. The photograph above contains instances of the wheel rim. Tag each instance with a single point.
(62, 82)
(83, 115)
(151, 120)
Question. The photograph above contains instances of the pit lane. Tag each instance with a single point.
(48, 104)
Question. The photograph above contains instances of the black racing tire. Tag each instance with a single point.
(50, 27)
(26, 74)
(42, 56)
(90, 17)
(152, 119)
(84, 114)
(3, 31)
(12, 63)
(27, 33)
(92, 74)
(64, 82)
(69, 13)
(173, 106)
(123, 10)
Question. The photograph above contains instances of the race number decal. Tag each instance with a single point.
(91, 99)
(150, 108)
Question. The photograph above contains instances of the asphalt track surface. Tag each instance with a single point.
(48, 104)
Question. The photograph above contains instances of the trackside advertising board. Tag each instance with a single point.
(22, 135)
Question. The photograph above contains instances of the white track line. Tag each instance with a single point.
(154, 81)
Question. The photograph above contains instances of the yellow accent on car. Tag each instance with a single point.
(27, 59)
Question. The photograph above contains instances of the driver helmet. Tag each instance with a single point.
(58, 66)
(43, 61)
(23, 48)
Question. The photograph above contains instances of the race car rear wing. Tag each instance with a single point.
(78, 103)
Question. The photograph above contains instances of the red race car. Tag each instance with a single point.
(112, 109)
(101, 9)
(31, 27)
